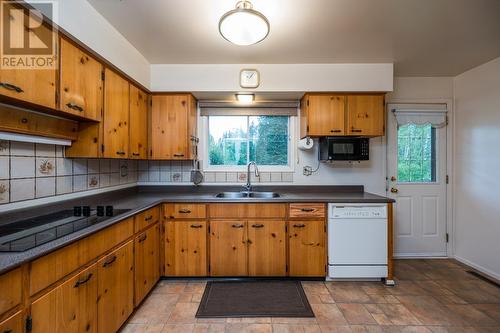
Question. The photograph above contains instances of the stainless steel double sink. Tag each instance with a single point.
(248, 195)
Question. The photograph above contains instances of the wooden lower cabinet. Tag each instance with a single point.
(307, 250)
(186, 248)
(228, 248)
(70, 307)
(115, 301)
(147, 261)
(266, 248)
(11, 290)
(13, 324)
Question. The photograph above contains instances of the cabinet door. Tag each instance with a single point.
(29, 85)
(11, 288)
(116, 116)
(147, 261)
(115, 288)
(326, 115)
(266, 248)
(81, 82)
(70, 307)
(186, 248)
(365, 115)
(13, 324)
(170, 121)
(138, 123)
(307, 248)
(228, 248)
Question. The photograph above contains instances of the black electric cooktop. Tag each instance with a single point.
(26, 234)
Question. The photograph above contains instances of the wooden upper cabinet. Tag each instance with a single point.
(173, 127)
(266, 248)
(228, 248)
(365, 115)
(116, 116)
(37, 86)
(81, 84)
(307, 248)
(325, 115)
(139, 107)
(70, 307)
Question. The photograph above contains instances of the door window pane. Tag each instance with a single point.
(416, 153)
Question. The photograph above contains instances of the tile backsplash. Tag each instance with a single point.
(31, 171)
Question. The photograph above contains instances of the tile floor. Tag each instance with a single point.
(431, 296)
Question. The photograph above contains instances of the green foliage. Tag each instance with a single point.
(416, 158)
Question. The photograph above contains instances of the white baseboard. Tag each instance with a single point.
(479, 268)
(420, 256)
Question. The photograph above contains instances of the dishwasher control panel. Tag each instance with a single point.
(357, 212)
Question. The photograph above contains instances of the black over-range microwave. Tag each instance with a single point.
(344, 149)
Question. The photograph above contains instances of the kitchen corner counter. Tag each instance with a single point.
(144, 197)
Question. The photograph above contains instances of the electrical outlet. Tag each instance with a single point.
(307, 171)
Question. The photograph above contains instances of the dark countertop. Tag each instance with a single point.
(141, 198)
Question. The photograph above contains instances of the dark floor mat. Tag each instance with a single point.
(254, 299)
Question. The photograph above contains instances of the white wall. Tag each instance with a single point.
(82, 21)
(424, 89)
(274, 77)
(477, 166)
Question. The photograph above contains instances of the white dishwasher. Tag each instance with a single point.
(357, 241)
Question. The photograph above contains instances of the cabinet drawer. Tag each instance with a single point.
(13, 324)
(10, 289)
(313, 210)
(251, 211)
(185, 211)
(54, 266)
(147, 218)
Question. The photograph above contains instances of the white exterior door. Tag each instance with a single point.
(416, 166)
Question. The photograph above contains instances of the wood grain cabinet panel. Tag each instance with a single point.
(307, 250)
(325, 115)
(228, 248)
(266, 248)
(29, 85)
(147, 218)
(185, 211)
(115, 288)
(13, 324)
(173, 127)
(81, 84)
(147, 262)
(11, 290)
(244, 211)
(138, 123)
(306, 210)
(365, 115)
(186, 248)
(116, 116)
(70, 307)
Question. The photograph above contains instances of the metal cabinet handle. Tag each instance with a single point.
(120, 153)
(184, 211)
(196, 226)
(178, 155)
(356, 130)
(12, 87)
(80, 282)
(143, 238)
(307, 210)
(336, 131)
(237, 225)
(148, 218)
(74, 107)
(299, 225)
(109, 262)
(7, 331)
(136, 154)
(257, 226)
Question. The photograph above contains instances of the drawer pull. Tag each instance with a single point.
(120, 153)
(257, 226)
(356, 130)
(299, 225)
(336, 131)
(148, 218)
(7, 331)
(184, 211)
(178, 155)
(12, 87)
(74, 107)
(143, 238)
(136, 154)
(109, 262)
(307, 210)
(237, 225)
(80, 282)
(196, 226)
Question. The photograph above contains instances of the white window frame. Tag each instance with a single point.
(203, 150)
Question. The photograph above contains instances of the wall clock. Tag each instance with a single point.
(249, 78)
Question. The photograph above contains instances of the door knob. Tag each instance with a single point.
(394, 190)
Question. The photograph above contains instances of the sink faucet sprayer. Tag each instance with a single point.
(248, 185)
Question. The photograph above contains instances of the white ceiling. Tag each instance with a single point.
(422, 37)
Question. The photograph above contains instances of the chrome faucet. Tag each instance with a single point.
(248, 185)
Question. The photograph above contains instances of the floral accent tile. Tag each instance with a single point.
(4, 191)
(45, 167)
(177, 177)
(93, 181)
(4, 147)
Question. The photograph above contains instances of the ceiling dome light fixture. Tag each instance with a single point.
(244, 26)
